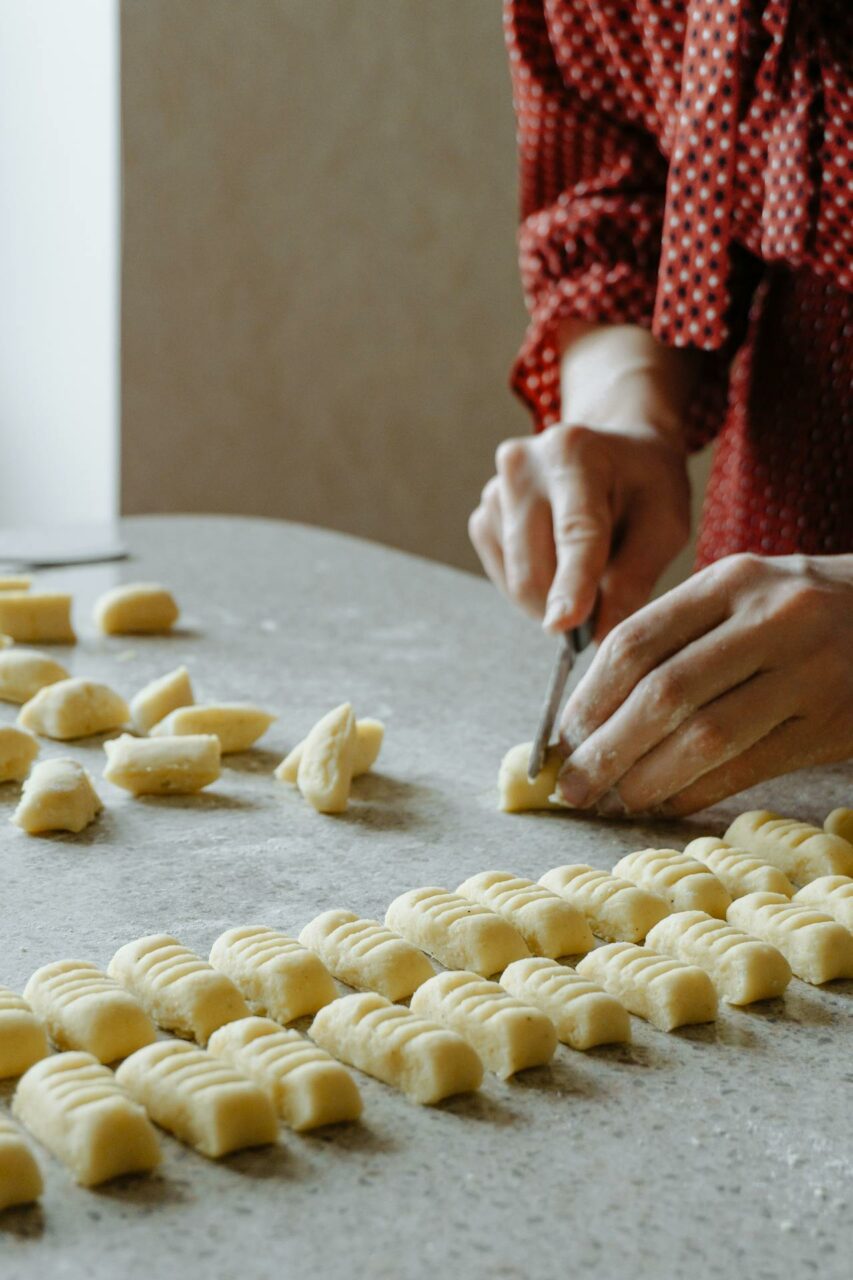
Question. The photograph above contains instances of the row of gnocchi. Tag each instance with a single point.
(39, 617)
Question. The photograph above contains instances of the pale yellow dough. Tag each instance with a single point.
(162, 766)
(16, 582)
(583, 1013)
(20, 1176)
(459, 933)
(57, 796)
(516, 793)
(739, 871)
(237, 725)
(154, 702)
(840, 823)
(422, 1059)
(276, 975)
(200, 1099)
(742, 968)
(325, 768)
(74, 708)
(817, 948)
(832, 894)
(18, 749)
(666, 992)
(84, 1009)
(366, 955)
(682, 882)
(803, 852)
(23, 1039)
(36, 619)
(615, 909)
(369, 735)
(136, 608)
(549, 924)
(307, 1086)
(180, 991)
(23, 672)
(78, 1109)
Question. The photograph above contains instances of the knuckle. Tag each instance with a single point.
(477, 525)
(625, 644)
(580, 527)
(708, 739)
(738, 570)
(511, 457)
(667, 692)
(570, 439)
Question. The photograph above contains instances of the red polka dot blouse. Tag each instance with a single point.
(687, 165)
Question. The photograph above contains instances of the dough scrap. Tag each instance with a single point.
(20, 1176)
(18, 749)
(237, 725)
(583, 1013)
(817, 948)
(136, 608)
(307, 1086)
(831, 894)
(803, 852)
(507, 1034)
(23, 672)
(36, 619)
(366, 955)
(616, 909)
(84, 1009)
(840, 823)
(180, 991)
(459, 933)
(663, 991)
(739, 871)
(162, 766)
(742, 968)
(549, 924)
(328, 754)
(159, 697)
(369, 735)
(516, 793)
(77, 1108)
(23, 1039)
(200, 1099)
(57, 796)
(74, 708)
(15, 583)
(276, 976)
(682, 882)
(422, 1059)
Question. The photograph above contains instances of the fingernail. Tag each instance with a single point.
(572, 787)
(611, 805)
(557, 612)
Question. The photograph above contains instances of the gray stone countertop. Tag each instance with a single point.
(716, 1151)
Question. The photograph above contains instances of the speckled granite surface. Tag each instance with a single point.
(721, 1151)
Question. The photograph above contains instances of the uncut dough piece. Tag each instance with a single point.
(237, 725)
(307, 1086)
(136, 608)
(162, 767)
(422, 1059)
(57, 796)
(803, 852)
(584, 1014)
(680, 880)
(817, 948)
(84, 1009)
(840, 823)
(616, 909)
(200, 1099)
(74, 708)
(180, 991)
(507, 1034)
(739, 871)
(23, 672)
(666, 992)
(742, 968)
(366, 955)
(328, 753)
(23, 1039)
(15, 583)
(516, 793)
(154, 702)
(36, 619)
(78, 1109)
(20, 1176)
(831, 894)
(549, 924)
(369, 735)
(459, 933)
(275, 975)
(18, 749)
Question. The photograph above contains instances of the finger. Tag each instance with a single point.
(528, 551)
(579, 487)
(651, 541)
(484, 530)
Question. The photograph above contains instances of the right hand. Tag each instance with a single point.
(577, 512)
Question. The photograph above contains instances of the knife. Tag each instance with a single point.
(572, 643)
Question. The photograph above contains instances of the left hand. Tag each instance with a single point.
(741, 673)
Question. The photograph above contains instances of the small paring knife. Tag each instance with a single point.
(572, 643)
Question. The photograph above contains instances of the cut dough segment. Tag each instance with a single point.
(275, 975)
(57, 796)
(516, 793)
(162, 767)
(328, 754)
(179, 990)
(507, 1034)
(616, 909)
(817, 948)
(742, 968)
(369, 735)
(803, 852)
(680, 880)
(154, 702)
(20, 1176)
(23, 1040)
(15, 583)
(459, 933)
(237, 725)
(832, 894)
(23, 672)
(36, 619)
(202, 1100)
(307, 1086)
(665, 992)
(584, 1014)
(18, 749)
(84, 1009)
(840, 823)
(366, 955)
(136, 608)
(549, 924)
(74, 708)
(78, 1109)
(739, 871)
(424, 1060)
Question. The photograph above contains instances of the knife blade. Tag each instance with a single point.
(572, 643)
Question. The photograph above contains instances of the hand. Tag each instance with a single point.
(741, 673)
(578, 511)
